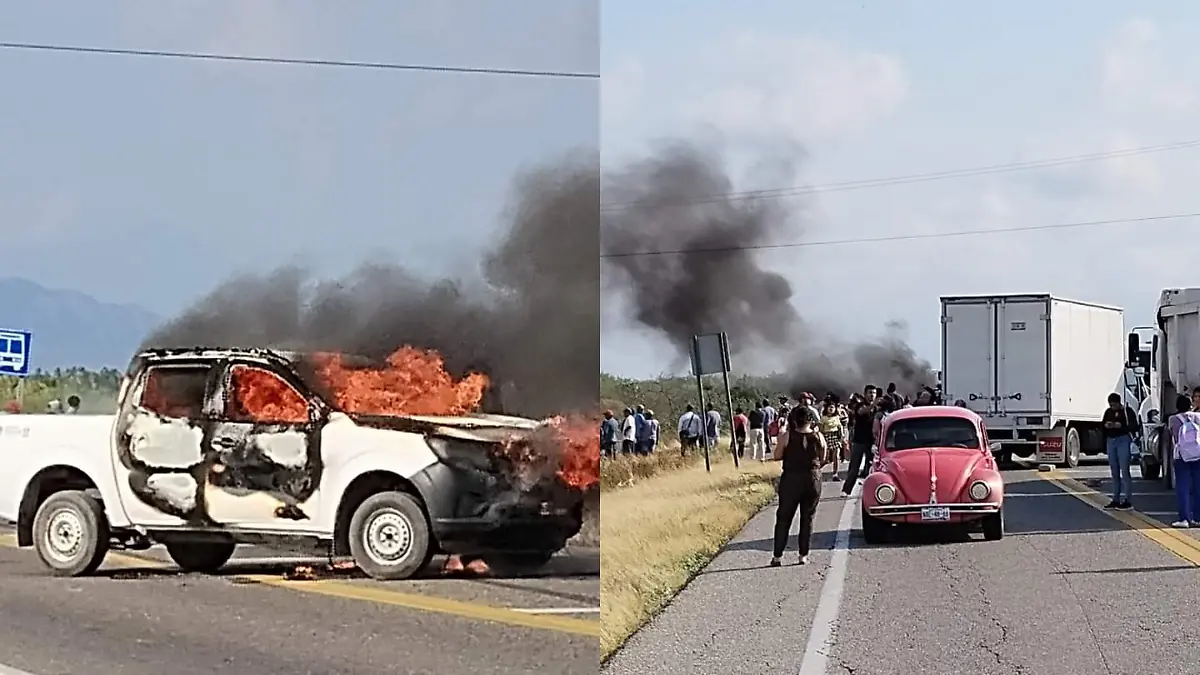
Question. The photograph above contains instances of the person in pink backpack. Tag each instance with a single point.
(1184, 428)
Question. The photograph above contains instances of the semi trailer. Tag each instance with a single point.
(1037, 368)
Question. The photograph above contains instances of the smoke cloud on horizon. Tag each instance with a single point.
(681, 197)
(531, 321)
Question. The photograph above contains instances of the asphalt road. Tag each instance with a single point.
(141, 617)
(1070, 590)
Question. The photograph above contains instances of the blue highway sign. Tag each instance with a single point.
(14, 352)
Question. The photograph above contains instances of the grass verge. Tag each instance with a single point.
(658, 533)
(625, 470)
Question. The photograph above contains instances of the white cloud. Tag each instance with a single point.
(1136, 73)
(803, 86)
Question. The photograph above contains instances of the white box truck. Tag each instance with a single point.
(1168, 355)
(1038, 368)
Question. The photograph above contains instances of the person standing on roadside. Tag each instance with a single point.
(712, 425)
(803, 453)
(643, 431)
(862, 436)
(834, 433)
(690, 428)
(1184, 428)
(756, 421)
(629, 433)
(610, 429)
(741, 426)
(652, 434)
(770, 416)
(1120, 429)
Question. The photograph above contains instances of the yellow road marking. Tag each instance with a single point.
(428, 603)
(345, 591)
(1174, 541)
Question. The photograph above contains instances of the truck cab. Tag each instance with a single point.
(1167, 354)
(210, 448)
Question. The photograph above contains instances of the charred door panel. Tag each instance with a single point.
(160, 445)
(264, 463)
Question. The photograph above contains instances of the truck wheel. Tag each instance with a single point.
(205, 557)
(1073, 448)
(993, 526)
(389, 536)
(516, 564)
(874, 530)
(1150, 470)
(70, 533)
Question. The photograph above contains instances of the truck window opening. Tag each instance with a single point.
(175, 392)
(259, 396)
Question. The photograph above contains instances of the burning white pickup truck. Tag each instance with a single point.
(189, 461)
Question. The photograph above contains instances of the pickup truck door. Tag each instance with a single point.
(158, 443)
(266, 461)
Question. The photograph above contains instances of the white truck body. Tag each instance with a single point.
(184, 464)
(1034, 366)
(1171, 361)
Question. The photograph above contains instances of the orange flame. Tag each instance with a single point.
(261, 396)
(580, 437)
(413, 382)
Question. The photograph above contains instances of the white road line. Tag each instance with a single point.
(9, 670)
(557, 610)
(824, 626)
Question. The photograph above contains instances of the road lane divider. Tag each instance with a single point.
(429, 603)
(539, 619)
(1175, 541)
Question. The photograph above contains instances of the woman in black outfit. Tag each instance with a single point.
(800, 485)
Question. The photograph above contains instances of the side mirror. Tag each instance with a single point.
(1134, 349)
(994, 446)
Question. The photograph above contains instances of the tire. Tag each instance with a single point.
(389, 536)
(516, 564)
(874, 530)
(1073, 448)
(993, 526)
(1150, 470)
(71, 533)
(205, 557)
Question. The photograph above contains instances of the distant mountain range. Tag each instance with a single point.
(72, 328)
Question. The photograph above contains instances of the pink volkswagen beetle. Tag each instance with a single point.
(934, 467)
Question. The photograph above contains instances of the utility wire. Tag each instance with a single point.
(374, 65)
(906, 179)
(906, 237)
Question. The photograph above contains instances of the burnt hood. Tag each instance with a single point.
(488, 428)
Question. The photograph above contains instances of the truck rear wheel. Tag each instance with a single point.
(195, 556)
(1072, 448)
(71, 533)
(1151, 470)
(389, 536)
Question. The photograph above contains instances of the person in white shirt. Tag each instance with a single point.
(629, 433)
(690, 428)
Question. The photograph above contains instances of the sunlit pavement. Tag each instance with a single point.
(140, 615)
(1071, 589)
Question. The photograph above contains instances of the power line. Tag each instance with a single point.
(374, 65)
(906, 237)
(797, 190)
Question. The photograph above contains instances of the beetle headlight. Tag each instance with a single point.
(885, 494)
(979, 491)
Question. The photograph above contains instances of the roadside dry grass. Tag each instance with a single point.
(661, 531)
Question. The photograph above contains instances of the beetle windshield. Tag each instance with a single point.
(932, 432)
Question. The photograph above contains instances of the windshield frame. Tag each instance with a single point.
(929, 424)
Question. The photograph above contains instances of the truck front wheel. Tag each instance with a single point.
(204, 557)
(1074, 448)
(70, 533)
(389, 536)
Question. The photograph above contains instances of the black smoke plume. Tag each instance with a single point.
(685, 244)
(530, 321)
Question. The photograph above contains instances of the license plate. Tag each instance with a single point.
(935, 513)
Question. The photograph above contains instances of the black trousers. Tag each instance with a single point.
(798, 491)
(860, 454)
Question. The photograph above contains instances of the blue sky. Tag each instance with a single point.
(878, 89)
(150, 180)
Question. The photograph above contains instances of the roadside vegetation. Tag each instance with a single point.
(660, 532)
(96, 389)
